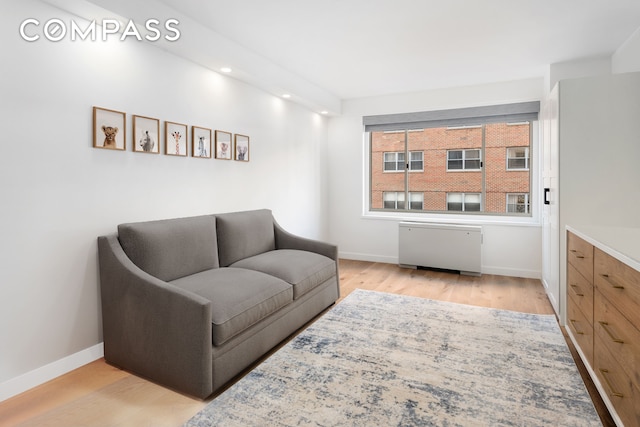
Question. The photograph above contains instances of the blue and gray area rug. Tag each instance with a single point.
(379, 359)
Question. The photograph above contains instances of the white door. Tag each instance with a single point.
(550, 207)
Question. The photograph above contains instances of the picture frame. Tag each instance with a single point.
(146, 135)
(223, 145)
(109, 129)
(241, 151)
(200, 142)
(175, 137)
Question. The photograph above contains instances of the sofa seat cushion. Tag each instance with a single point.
(239, 298)
(304, 270)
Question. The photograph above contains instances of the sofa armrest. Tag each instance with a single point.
(151, 327)
(286, 240)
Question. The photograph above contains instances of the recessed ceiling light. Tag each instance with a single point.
(225, 69)
(286, 95)
(324, 112)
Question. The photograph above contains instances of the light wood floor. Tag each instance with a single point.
(100, 395)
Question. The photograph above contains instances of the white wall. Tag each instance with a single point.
(627, 57)
(58, 193)
(585, 67)
(513, 249)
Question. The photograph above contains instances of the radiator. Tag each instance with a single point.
(450, 247)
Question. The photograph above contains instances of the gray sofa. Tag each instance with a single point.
(192, 302)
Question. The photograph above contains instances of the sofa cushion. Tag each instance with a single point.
(171, 248)
(244, 234)
(304, 270)
(239, 298)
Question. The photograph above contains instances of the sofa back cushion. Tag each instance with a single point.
(172, 248)
(244, 234)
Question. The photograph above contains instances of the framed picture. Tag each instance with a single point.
(146, 135)
(200, 142)
(175, 137)
(109, 129)
(223, 145)
(242, 147)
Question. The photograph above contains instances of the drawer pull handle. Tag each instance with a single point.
(603, 372)
(573, 322)
(606, 329)
(577, 290)
(611, 282)
(577, 254)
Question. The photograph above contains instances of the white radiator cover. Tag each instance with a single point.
(446, 246)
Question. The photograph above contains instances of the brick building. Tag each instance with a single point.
(473, 169)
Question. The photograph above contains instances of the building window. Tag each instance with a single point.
(393, 199)
(518, 158)
(463, 160)
(416, 201)
(463, 202)
(518, 203)
(416, 162)
(394, 162)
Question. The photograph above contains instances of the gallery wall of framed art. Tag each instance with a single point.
(110, 132)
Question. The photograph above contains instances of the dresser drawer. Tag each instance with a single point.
(580, 255)
(620, 337)
(581, 330)
(619, 283)
(580, 291)
(622, 393)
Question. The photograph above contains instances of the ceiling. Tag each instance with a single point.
(334, 50)
(361, 48)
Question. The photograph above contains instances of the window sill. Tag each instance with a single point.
(523, 221)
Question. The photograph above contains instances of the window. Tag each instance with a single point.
(463, 160)
(463, 202)
(417, 161)
(452, 161)
(518, 158)
(395, 200)
(416, 201)
(394, 162)
(518, 203)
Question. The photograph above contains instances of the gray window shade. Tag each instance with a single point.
(519, 112)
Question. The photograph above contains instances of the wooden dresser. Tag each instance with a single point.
(603, 319)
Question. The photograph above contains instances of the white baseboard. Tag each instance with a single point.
(511, 272)
(555, 303)
(499, 271)
(41, 375)
(368, 257)
(596, 380)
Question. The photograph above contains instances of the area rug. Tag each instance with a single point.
(379, 359)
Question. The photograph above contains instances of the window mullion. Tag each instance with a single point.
(483, 150)
(407, 161)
